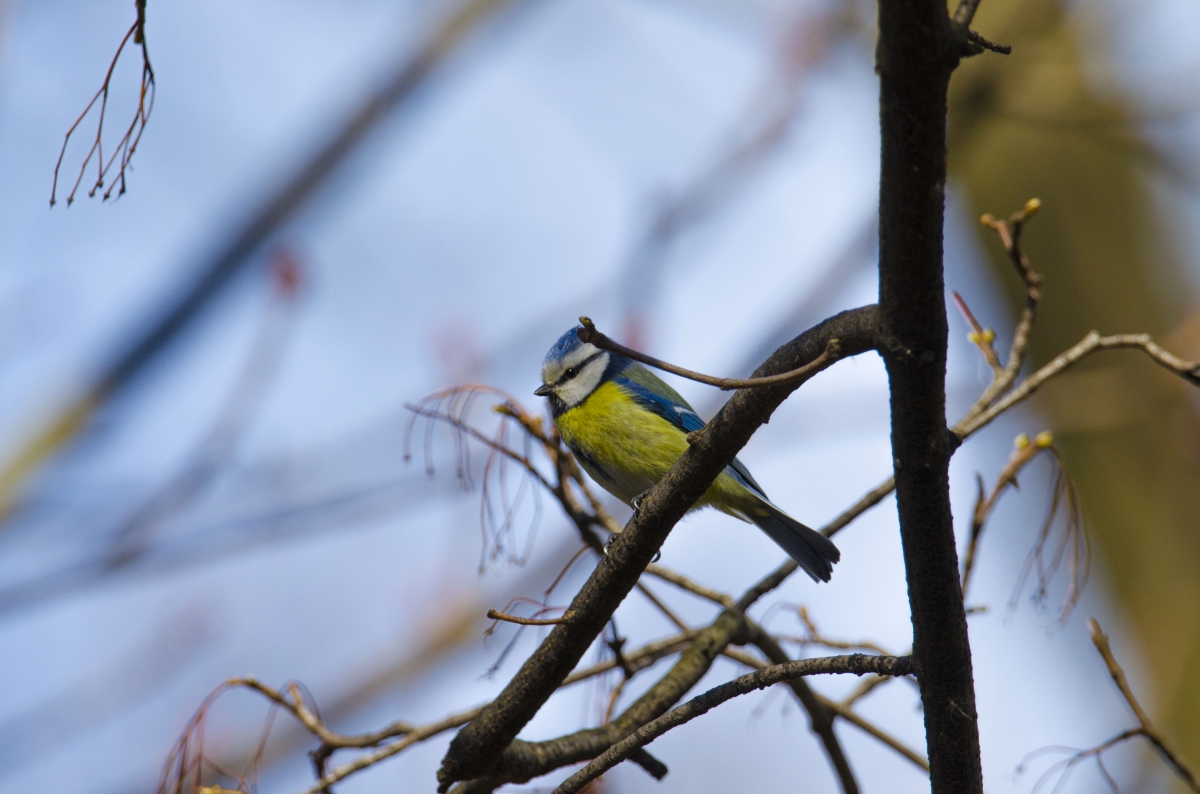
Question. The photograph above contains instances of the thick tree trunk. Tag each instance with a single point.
(918, 50)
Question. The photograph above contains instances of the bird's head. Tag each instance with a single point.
(573, 369)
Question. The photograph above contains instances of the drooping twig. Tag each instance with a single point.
(1145, 730)
(1180, 767)
(188, 759)
(236, 251)
(1026, 450)
(1073, 546)
(588, 333)
(857, 664)
(127, 145)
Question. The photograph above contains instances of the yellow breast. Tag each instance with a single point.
(628, 449)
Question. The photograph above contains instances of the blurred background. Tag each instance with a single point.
(700, 177)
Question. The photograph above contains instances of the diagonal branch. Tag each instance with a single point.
(857, 664)
(478, 745)
(1100, 640)
(819, 716)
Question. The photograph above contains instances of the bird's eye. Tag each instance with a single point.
(570, 373)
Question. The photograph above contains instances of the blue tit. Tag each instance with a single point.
(627, 427)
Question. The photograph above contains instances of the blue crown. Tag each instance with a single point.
(565, 344)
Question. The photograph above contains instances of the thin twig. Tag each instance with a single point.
(858, 664)
(494, 615)
(846, 713)
(1188, 370)
(1026, 450)
(813, 636)
(663, 608)
(1100, 640)
(127, 145)
(976, 38)
(387, 751)
(588, 333)
(680, 581)
(864, 688)
(980, 337)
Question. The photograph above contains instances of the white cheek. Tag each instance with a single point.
(578, 388)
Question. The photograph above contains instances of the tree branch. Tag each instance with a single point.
(819, 719)
(1188, 370)
(1100, 640)
(589, 333)
(918, 50)
(857, 664)
(478, 745)
(849, 716)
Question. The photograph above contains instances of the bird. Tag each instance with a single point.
(626, 427)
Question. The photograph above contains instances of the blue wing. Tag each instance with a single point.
(670, 406)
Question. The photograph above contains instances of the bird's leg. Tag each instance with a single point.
(636, 502)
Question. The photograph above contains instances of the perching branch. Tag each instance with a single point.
(476, 747)
(521, 761)
(857, 664)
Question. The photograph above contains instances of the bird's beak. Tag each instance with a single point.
(543, 390)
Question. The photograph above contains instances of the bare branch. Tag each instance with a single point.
(589, 333)
(680, 581)
(1147, 729)
(477, 746)
(819, 717)
(857, 664)
(1021, 457)
(1188, 370)
(494, 615)
(128, 143)
(846, 713)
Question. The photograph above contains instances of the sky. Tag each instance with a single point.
(262, 459)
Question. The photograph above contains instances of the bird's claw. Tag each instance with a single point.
(636, 502)
(608, 543)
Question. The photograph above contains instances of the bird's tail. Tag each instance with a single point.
(811, 550)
